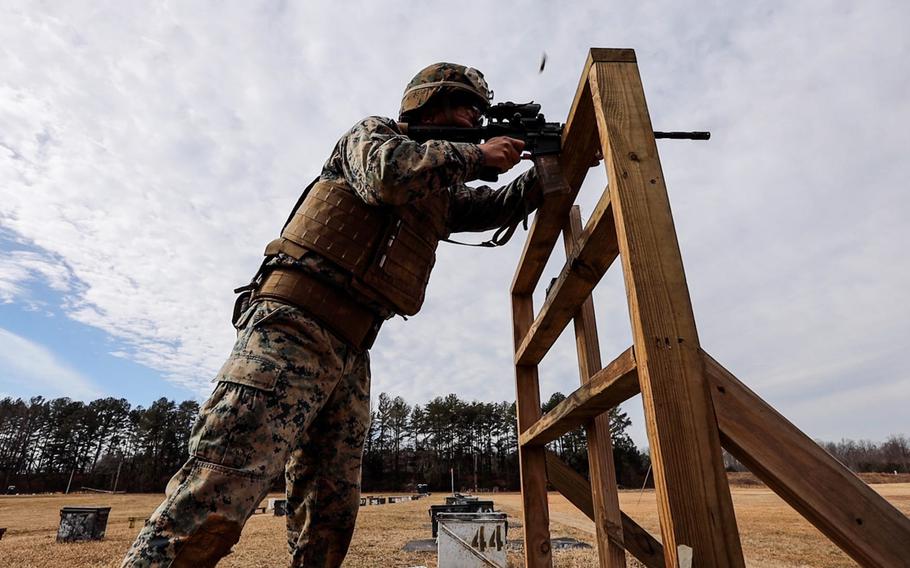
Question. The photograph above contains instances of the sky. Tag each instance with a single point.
(150, 150)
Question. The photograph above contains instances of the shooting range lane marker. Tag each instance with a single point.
(472, 540)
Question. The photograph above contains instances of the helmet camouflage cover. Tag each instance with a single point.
(444, 77)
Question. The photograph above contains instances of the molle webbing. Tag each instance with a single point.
(388, 251)
(337, 224)
(402, 266)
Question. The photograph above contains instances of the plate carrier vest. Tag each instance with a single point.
(389, 251)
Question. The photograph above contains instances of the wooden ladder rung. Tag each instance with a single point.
(597, 249)
(609, 387)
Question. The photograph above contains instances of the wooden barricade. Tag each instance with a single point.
(693, 406)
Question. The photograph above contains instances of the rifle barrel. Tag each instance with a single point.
(683, 135)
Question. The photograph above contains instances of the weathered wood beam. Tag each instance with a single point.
(693, 497)
(548, 221)
(609, 387)
(532, 461)
(601, 469)
(585, 266)
(577, 490)
(579, 146)
(856, 518)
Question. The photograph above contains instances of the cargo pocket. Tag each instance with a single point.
(231, 429)
(252, 370)
(256, 360)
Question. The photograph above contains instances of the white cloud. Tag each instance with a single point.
(19, 268)
(32, 369)
(152, 151)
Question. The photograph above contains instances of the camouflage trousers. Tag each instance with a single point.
(291, 396)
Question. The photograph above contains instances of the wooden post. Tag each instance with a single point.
(117, 477)
(70, 482)
(607, 516)
(531, 459)
(694, 503)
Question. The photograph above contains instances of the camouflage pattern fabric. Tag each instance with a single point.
(291, 396)
(444, 77)
(385, 167)
(294, 397)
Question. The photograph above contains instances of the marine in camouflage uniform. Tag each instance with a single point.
(294, 395)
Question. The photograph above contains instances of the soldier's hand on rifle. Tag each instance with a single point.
(502, 152)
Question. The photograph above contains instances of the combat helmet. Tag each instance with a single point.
(444, 78)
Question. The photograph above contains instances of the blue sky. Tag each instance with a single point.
(44, 352)
(149, 151)
(81, 350)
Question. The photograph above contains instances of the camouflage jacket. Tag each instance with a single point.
(385, 167)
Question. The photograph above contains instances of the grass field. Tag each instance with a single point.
(772, 534)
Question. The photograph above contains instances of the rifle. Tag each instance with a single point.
(523, 121)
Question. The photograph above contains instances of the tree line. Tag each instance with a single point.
(859, 456)
(473, 444)
(107, 444)
(48, 445)
(891, 456)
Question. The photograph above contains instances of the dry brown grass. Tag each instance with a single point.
(773, 535)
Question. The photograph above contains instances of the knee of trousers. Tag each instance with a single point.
(211, 541)
(201, 518)
(203, 491)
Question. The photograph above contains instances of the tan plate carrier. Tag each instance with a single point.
(388, 252)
